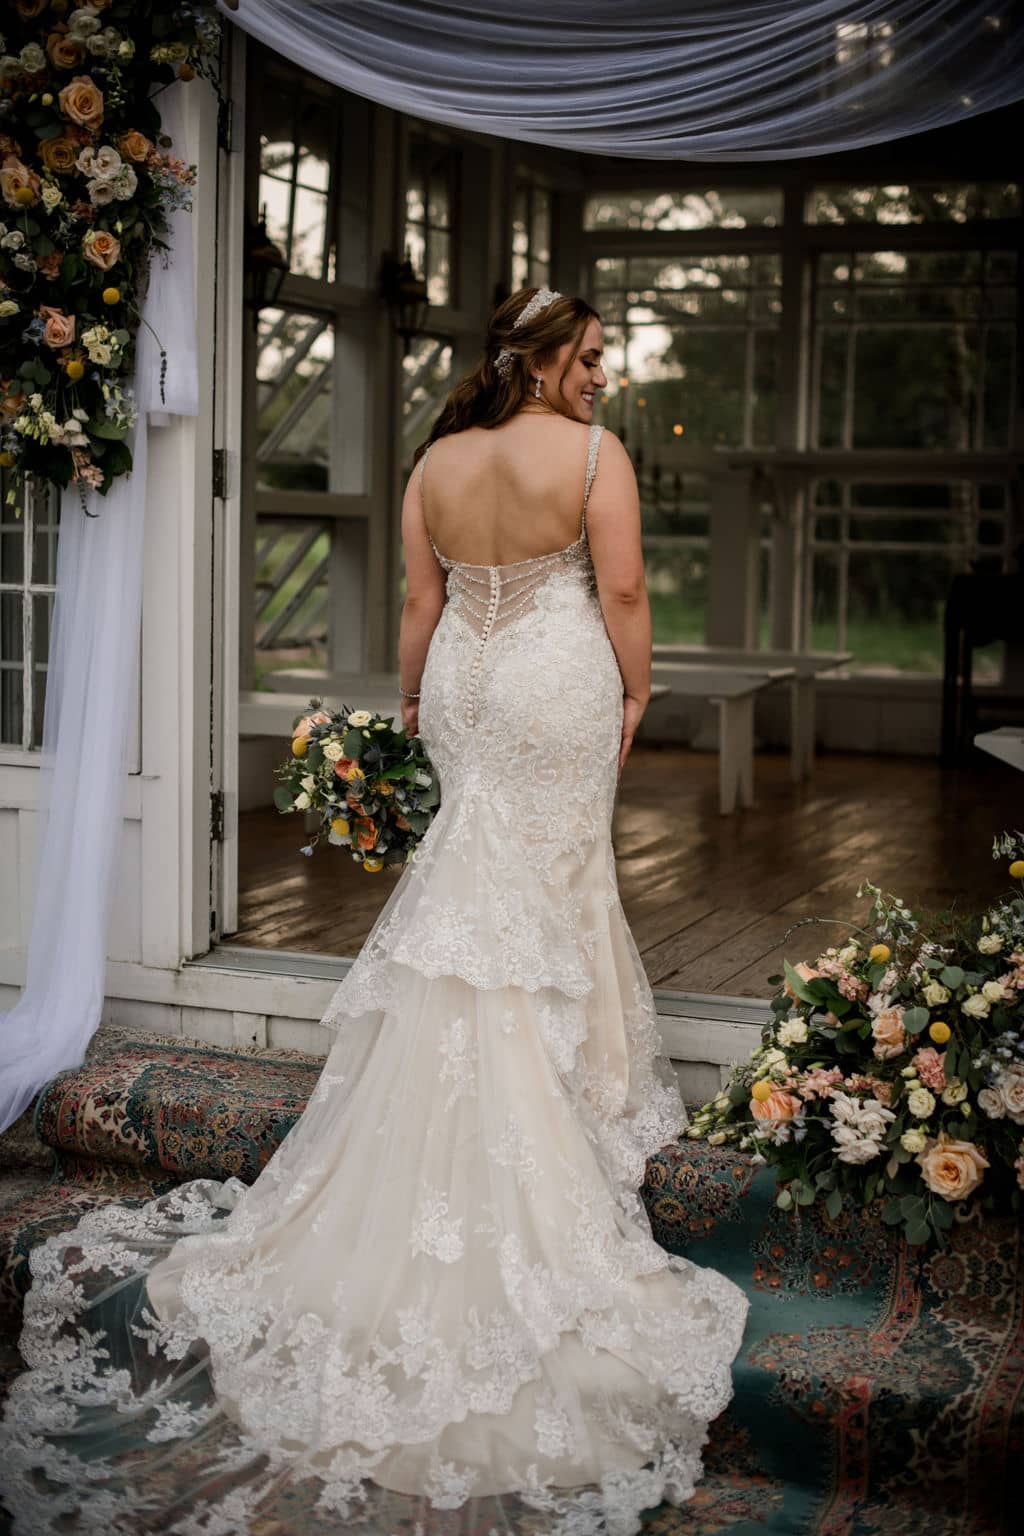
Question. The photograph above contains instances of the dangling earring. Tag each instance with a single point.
(537, 390)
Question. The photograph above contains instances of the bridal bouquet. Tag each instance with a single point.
(374, 788)
(893, 1068)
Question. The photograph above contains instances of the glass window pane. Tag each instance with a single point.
(295, 420)
(42, 620)
(298, 135)
(677, 581)
(11, 652)
(952, 203)
(718, 208)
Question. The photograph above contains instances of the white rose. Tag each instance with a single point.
(913, 1141)
(773, 1057)
(1011, 1091)
(7, 307)
(994, 991)
(792, 1032)
(125, 49)
(848, 954)
(360, 717)
(308, 782)
(302, 802)
(332, 750)
(990, 943)
(977, 1006)
(990, 1103)
(33, 59)
(935, 993)
(51, 195)
(954, 1092)
(920, 1103)
(99, 352)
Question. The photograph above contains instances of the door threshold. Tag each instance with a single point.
(717, 1007)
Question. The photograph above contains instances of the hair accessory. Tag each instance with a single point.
(541, 299)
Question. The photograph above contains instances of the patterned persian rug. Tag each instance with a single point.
(879, 1391)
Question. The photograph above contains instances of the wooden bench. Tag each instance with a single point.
(732, 689)
(807, 666)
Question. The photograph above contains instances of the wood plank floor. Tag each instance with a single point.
(709, 898)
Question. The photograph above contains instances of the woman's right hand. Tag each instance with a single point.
(632, 714)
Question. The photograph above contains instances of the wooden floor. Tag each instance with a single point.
(709, 898)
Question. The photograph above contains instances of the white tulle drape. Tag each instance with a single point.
(715, 80)
(91, 693)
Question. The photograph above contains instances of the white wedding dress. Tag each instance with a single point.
(440, 1308)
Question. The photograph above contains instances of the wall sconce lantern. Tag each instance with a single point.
(265, 263)
(405, 294)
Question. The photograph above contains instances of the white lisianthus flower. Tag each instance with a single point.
(977, 1006)
(913, 1141)
(32, 58)
(954, 1092)
(920, 1103)
(308, 782)
(100, 192)
(302, 802)
(100, 353)
(991, 1104)
(1011, 1092)
(125, 49)
(773, 1057)
(103, 163)
(125, 183)
(360, 717)
(994, 991)
(424, 780)
(935, 994)
(848, 954)
(792, 1032)
(84, 22)
(852, 1147)
(990, 943)
(716, 1138)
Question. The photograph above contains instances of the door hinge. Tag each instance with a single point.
(220, 472)
(217, 816)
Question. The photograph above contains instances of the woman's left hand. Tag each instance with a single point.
(411, 716)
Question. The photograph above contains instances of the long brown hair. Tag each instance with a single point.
(483, 397)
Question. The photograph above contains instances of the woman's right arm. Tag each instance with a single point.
(613, 533)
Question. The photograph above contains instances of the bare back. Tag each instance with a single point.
(494, 496)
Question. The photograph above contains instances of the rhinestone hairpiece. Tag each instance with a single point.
(541, 299)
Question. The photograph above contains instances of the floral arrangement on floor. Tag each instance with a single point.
(374, 788)
(87, 181)
(893, 1068)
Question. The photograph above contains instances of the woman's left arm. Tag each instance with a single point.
(424, 599)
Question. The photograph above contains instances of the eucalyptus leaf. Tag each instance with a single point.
(917, 1232)
(915, 1019)
(834, 1203)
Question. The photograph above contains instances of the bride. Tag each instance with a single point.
(440, 1307)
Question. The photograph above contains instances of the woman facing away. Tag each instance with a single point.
(440, 1308)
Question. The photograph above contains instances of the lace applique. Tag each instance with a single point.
(433, 1232)
(458, 1063)
(515, 1150)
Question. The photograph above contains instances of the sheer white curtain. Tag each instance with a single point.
(92, 686)
(660, 79)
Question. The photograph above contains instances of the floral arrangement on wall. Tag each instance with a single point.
(87, 180)
(893, 1068)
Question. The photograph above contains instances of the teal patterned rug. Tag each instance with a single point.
(879, 1391)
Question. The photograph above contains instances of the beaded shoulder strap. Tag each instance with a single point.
(595, 442)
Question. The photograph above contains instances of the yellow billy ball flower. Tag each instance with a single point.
(111, 295)
(300, 746)
(762, 1090)
(878, 954)
(372, 865)
(24, 196)
(47, 99)
(186, 72)
(1017, 869)
(340, 827)
(75, 369)
(939, 1031)
(6, 459)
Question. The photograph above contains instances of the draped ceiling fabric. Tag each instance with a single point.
(660, 79)
(91, 694)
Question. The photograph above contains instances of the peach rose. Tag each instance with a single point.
(101, 248)
(58, 155)
(952, 1169)
(806, 973)
(344, 766)
(890, 1036)
(64, 52)
(14, 177)
(779, 1106)
(50, 265)
(59, 330)
(82, 101)
(403, 822)
(13, 404)
(29, 9)
(134, 145)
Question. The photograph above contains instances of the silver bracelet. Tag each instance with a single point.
(407, 695)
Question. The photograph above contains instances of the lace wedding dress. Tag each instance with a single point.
(439, 1309)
